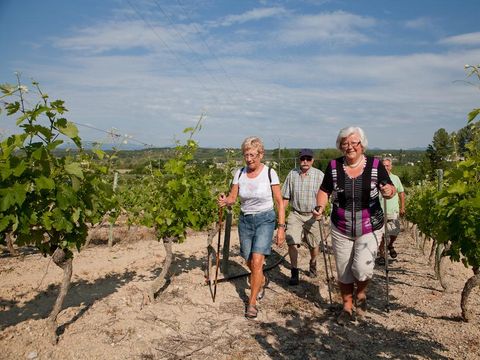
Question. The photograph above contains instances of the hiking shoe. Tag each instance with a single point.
(345, 317)
(312, 272)
(251, 312)
(361, 307)
(294, 280)
(392, 252)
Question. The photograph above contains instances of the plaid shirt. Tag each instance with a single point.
(301, 191)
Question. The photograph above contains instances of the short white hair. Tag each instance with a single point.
(253, 142)
(347, 131)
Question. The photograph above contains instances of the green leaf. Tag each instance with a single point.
(76, 214)
(68, 129)
(76, 184)
(457, 188)
(47, 221)
(21, 119)
(59, 106)
(66, 197)
(4, 222)
(473, 114)
(12, 108)
(60, 222)
(14, 195)
(44, 183)
(37, 154)
(75, 169)
(54, 144)
(19, 169)
(38, 110)
(100, 153)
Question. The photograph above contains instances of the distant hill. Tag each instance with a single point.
(90, 145)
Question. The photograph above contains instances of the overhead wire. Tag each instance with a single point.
(164, 43)
(168, 17)
(194, 52)
(204, 42)
(114, 134)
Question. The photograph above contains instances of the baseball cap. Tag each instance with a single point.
(305, 152)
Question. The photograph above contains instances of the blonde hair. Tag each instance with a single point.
(347, 131)
(253, 142)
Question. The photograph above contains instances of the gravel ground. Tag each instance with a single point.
(104, 316)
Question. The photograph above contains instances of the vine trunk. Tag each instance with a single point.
(471, 283)
(60, 259)
(157, 284)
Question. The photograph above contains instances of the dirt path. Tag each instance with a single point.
(103, 317)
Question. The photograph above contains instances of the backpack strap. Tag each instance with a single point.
(375, 170)
(240, 174)
(269, 174)
(333, 165)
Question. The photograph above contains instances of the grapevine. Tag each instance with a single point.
(47, 200)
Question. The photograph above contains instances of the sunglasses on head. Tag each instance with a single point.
(307, 158)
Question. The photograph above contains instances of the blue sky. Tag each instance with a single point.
(292, 72)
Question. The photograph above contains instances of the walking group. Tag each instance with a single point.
(354, 187)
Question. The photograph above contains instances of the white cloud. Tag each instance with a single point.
(470, 39)
(123, 36)
(336, 27)
(303, 100)
(299, 99)
(420, 23)
(251, 15)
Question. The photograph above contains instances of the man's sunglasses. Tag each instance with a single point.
(306, 158)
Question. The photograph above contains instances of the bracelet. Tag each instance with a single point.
(282, 226)
(317, 208)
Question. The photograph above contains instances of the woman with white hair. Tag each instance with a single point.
(354, 182)
(258, 188)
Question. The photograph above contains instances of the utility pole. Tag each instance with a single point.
(279, 157)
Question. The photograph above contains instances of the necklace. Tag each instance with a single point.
(353, 166)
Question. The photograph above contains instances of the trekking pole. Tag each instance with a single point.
(329, 255)
(385, 250)
(220, 218)
(322, 239)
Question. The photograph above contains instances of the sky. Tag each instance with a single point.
(292, 72)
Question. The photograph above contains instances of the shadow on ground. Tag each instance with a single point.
(368, 340)
(81, 293)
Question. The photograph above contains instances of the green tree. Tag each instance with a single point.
(463, 137)
(440, 150)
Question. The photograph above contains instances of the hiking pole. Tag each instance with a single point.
(329, 255)
(322, 239)
(385, 250)
(220, 218)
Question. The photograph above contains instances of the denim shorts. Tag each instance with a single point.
(256, 233)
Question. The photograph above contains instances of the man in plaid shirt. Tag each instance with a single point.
(300, 191)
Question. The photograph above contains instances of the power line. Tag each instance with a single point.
(152, 28)
(208, 48)
(114, 134)
(185, 41)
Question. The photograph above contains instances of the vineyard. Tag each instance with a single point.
(66, 292)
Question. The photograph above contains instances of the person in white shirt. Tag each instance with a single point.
(258, 188)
